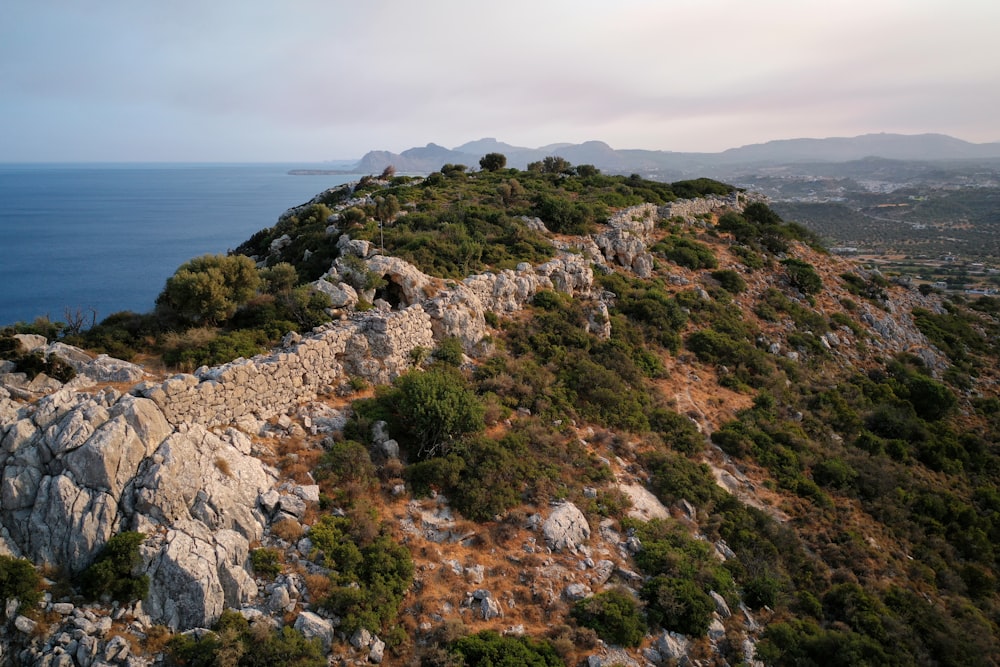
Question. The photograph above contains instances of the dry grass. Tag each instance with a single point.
(288, 530)
(223, 466)
(318, 586)
(156, 639)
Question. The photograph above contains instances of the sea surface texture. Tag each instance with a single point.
(105, 238)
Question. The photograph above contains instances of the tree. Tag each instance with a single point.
(386, 209)
(553, 164)
(209, 289)
(493, 162)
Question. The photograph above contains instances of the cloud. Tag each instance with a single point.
(320, 79)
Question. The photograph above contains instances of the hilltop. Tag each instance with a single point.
(546, 415)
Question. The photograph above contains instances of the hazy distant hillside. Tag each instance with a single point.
(842, 149)
(668, 165)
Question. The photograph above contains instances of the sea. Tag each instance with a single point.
(103, 238)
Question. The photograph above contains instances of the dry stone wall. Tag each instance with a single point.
(375, 346)
(690, 208)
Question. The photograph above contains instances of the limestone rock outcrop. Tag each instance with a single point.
(566, 528)
(625, 240)
(77, 468)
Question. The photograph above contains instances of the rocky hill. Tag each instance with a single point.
(545, 417)
(674, 164)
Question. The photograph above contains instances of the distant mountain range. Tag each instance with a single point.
(671, 165)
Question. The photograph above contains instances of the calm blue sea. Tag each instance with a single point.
(108, 236)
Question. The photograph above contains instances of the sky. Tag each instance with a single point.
(316, 80)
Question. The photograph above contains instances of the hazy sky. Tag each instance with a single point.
(310, 80)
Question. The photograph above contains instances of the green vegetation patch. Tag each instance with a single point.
(615, 616)
(112, 573)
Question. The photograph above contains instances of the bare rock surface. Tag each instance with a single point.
(566, 528)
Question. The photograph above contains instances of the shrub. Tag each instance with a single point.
(19, 580)
(210, 288)
(803, 642)
(676, 477)
(761, 591)
(614, 615)
(749, 257)
(489, 649)
(931, 400)
(369, 575)
(433, 408)
(677, 431)
(567, 217)
(730, 280)
(112, 573)
(687, 253)
(266, 562)
(237, 643)
(200, 347)
(802, 276)
(449, 351)
(481, 477)
(347, 462)
(834, 473)
(33, 363)
(699, 187)
(678, 605)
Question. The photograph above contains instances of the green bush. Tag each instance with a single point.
(699, 187)
(748, 256)
(493, 162)
(19, 580)
(678, 605)
(730, 280)
(210, 288)
(614, 615)
(266, 562)
(432, 409)
(370, 575)
(802, 276)
(563, 216)
(347, 462)
(449, 351)
(677, 477)
(218, 349)
(834, 473)
(480, 476)
(686, 252)
(761, 591)
(803, 642)
(489, 649)
(677, 431)
(112, 573)
(33, 363)
(236, 643)
(747, 365)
